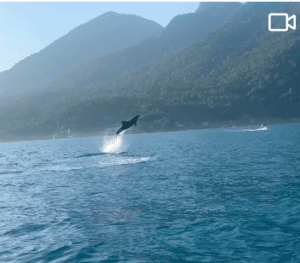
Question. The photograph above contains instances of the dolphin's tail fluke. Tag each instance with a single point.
(119, 131)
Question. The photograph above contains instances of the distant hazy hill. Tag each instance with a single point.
(239, 72)
(110, 32)
(181, 32)
(188, 28)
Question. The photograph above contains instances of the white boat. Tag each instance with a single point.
(262, 128)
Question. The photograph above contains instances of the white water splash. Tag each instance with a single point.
(113, 144)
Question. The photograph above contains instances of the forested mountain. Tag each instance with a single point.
(181, 32)
(239, 73)
(108, 33)
(189, 28)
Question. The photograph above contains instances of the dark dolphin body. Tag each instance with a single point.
(128, 124)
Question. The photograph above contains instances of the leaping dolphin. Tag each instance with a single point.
(127, 124)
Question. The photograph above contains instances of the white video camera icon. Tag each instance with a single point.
(287, 25)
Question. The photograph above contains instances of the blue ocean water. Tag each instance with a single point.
(224, 195)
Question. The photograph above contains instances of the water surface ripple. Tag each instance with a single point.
(224, 195)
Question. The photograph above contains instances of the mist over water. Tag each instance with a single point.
(189, 196)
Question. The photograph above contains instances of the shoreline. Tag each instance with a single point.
(209, 126)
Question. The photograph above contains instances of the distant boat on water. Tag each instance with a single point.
(263, 128)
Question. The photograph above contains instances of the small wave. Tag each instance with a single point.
(97, 154)
(60, 169)
(122, 161)
(5, 185)
(26, 228)
(11, 172)
(66, 169)
(90, 155)
(34, 152)
(11, 168)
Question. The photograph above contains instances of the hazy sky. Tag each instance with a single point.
(27, 27)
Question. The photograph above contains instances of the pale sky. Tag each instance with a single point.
(27, 27)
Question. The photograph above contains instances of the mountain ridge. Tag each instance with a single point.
(173, 38)
(92, 39)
